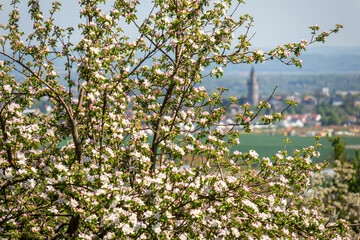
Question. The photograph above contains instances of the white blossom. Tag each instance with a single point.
(253, 154)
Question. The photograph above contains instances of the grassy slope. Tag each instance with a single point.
(267, 145)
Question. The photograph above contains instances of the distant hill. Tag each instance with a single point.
(288, 83)
(315, 60)
(337, 68)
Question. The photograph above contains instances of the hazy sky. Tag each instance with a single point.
(281, 21)
(276, 21)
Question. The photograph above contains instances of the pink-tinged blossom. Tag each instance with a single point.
(265, 237)
(269, 227)
(195, 213)
(283, 179)
(271, 199)
(256, 224)
(108, 18)
(237, 153)
(99, 76)
(148, 214)
(52, 73)
(31, 183)
(157, 228)
(307, 160)
(127, 229)
(21, 159)
(220, 186)
(259, 52)
(7, 173)
(73, 203)
(287, 53)
(231, 179)
(216, 70)
(250, 204)
(318, 167)
(158, 72)
(267, 161)
(253, 154)
(190, 147)
(268, 117)
(7, 88)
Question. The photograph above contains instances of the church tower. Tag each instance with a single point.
(253, 89)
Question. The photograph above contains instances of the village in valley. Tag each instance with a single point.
(323, 113)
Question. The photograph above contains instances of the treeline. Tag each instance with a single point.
(288, 84)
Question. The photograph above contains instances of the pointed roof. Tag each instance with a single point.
(252, 72)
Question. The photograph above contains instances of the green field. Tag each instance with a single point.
(267, 145)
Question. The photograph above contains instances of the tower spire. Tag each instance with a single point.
(253, 89)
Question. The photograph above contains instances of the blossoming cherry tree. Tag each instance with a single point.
(107, 162)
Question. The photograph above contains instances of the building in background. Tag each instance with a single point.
(253, 89)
